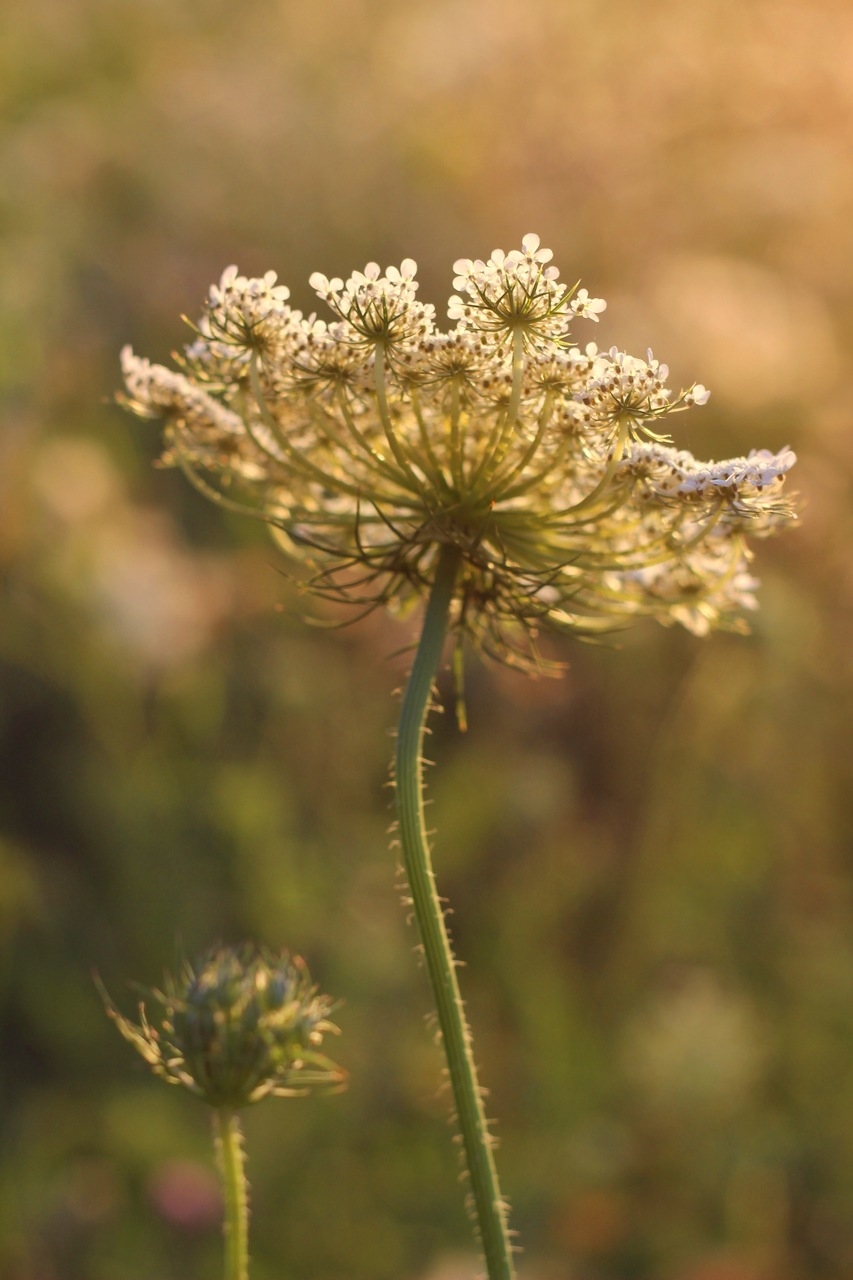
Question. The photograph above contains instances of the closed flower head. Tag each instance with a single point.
(371, 440)
(234, 1027)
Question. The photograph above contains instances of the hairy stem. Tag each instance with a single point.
(490, 1209)
(235, 1190)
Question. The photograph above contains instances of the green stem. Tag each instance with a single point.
(491, 1213)
(235, 1189)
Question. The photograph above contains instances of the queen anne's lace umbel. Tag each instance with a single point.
(369, 441)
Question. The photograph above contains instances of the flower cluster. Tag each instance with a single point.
(238, 1025)
(372, 440)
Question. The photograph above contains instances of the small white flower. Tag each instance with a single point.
(323, 287)
(590, 308)
(532, 252)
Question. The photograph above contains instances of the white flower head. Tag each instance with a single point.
(247, 312)
(377, 308)
(372, 441)
(513, 296)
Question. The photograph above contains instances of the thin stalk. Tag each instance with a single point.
(385, 417)
(622, 437)
(457, 453)
(377, 459)
(527, 456)
(302, 465)
(435, 471)
(490, 1209)
(495, 453)
(235, 1190)
(514, 402)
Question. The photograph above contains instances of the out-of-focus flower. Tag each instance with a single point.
(125, 563)
(186, 1193)
(236, 1026)
(370, 442)
(696, 1050)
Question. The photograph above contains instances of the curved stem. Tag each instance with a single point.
(235, 1190)
(491, 1212)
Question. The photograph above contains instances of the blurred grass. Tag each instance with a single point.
(650, 862)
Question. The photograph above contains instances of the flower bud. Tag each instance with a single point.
(237, 1025)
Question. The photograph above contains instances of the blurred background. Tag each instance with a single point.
(649, 861)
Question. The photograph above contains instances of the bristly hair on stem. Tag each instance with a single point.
(231, 1159)
(489, 1209)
